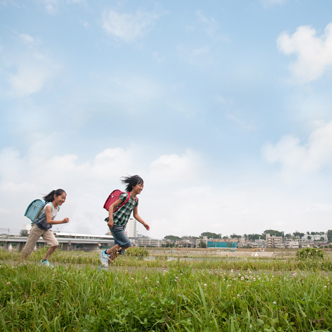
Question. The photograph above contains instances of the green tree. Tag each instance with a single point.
(253, 237)
(24, 232)
(202, 244)
(172, 238)
(210, 235)
(234, 236)
(273, 233)
(329, 235)
(190, 238)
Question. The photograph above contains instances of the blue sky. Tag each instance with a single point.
(223, 107)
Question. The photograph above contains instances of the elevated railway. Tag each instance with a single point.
(67, 241)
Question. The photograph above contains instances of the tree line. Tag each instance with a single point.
(248, 237)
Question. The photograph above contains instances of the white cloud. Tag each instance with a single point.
(29, 79)
(314, 53)
(211, 27)
(111, 163)
(211, 24)
(296, 158)
(232, 113)
(86, 24)
(5, 3)
(128, 27)
(175, 168)
(31, 70)
(27, 39)
(51, 6)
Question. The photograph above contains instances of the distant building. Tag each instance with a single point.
(204, 240)
(148, 242)
(213, 243)
(274, 241)
(259, 243)
(27, 227)
(317, 237)
(279, 245)
(292, 244)
(216, 243)
(131, 227)
(186, 243)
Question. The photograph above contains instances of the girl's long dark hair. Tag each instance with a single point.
(131, 181)
(50, 197)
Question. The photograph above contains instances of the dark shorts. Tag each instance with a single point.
(120, 236)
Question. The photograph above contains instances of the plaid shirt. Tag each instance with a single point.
(121, 216)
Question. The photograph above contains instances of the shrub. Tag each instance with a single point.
(309, 253)
(137, 252)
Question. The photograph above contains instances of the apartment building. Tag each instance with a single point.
(317, 237)
(292, 244)
(148, 242)
(274, 241)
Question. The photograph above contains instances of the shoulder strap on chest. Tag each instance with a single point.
(127, 199)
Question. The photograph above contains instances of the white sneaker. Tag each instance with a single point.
(104, 258)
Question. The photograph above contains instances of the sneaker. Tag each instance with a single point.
(104, 258)
(45, 263)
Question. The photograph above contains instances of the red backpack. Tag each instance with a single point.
(113, 197)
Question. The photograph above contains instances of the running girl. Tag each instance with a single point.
(118, 220)
(42, 227)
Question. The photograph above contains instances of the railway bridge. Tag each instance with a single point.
(67, 241)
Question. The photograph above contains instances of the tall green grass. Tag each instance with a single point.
(137, 261)
(66, 298)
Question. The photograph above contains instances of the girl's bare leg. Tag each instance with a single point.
(49, 252)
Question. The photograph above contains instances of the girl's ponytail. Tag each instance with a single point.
(50, 197)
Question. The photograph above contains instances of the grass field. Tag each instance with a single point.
(161, 295)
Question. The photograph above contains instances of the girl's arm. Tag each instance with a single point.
(138, 218)
(49, 220)
(110, 212)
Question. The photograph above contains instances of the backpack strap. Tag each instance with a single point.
(123, 203)
(127, 199)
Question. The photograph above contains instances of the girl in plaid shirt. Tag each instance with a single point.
(118, 220)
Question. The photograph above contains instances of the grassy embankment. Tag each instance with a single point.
(161, 295)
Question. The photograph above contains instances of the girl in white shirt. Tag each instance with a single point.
(42, 227)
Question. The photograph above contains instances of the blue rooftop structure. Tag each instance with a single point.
(221, 244)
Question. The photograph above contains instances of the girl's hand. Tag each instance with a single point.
(65, 221)
(147, 227)
(110, 223)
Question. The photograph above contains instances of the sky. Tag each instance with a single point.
(224, 108)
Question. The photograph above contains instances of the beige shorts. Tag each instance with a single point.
(34, 235)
